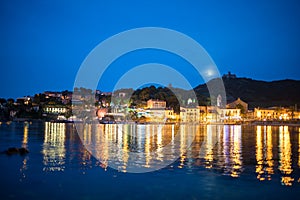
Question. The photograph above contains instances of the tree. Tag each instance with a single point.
(10, 101)
(2, 101)
(145, 95)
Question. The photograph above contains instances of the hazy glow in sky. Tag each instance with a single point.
(43, 43)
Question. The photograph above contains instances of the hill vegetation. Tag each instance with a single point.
(259, 93)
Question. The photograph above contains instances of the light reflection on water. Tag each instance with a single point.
(54, 150)
(299, 150)
(264, 153)
(24, 145)
(285, 152)
(273, 153)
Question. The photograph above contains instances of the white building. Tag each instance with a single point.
(55, 109)
(189, 114)
(230, 114)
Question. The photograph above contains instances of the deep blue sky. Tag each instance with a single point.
(43, 43)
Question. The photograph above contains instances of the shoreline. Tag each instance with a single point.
(255, 123)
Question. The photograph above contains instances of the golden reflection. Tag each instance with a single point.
(182, 145)
(259, 154)
(98, 138)
(285, 153)
(125, 149)
(269, 156)
(264, 153)
(87, 139)
(147, 147)
(232, 151)
(147, 141)
(104, 150)
(237, 152)
(114, 142)
(54, 151)
(172, 139)
(192, 131)
(159, 143)
(25, 136)
(24, 145)
(299, 149)
(209, 147)
(226, 149)
(87, 134)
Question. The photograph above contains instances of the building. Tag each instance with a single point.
(156, 111)
(156, 104)
(203, 113)
(274, 113)
(229, 75)
(200, 114)
(212, 114)
(155, 115)
(49, 94)
(230, 114)
(55, 109)
(170, 115)
(238, 104)
(296, 115)
(24, 100)
(189, 114)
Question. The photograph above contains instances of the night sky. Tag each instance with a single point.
(43, 43)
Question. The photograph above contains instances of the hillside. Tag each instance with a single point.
(258, 93)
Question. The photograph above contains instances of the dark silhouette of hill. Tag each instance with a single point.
(258, 93)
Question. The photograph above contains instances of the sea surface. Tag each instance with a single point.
(130, 161)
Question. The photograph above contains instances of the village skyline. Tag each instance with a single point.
(155, 104)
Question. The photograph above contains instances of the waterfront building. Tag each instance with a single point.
(273, 113)
(157, 104)
(212, 114)
(202, 113)
(296, 115)
(55, 109)
(238, 104)
(189, 114)
(170, 115)
(155, 115)
(230, 114)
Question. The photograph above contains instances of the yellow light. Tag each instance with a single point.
(299, 150)
(269, 157)
(25, 136)
(237, 151)
(209, 148)
(259, 154)
(258, 114)
(285, 153)
(54, 147)
(148, 147)
(183, 132)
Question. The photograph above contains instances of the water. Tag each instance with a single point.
(223, 162)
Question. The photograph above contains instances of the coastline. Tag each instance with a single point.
(252, 122)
